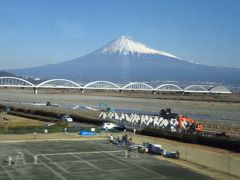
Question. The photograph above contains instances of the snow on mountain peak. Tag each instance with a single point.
(126, 45)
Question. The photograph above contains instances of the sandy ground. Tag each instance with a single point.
(213, 162)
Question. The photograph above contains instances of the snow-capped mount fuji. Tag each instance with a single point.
(126, 45)
(125, 59)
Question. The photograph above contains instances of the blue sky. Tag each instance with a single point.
(39, 32)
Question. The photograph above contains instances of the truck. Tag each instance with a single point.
(192, 124)
(184, 123)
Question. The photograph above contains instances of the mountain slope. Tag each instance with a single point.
(128, 60)
(4, 74)
(128, 46)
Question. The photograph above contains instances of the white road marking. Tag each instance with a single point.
(143, 168)
(55, 163)
(90, 164)
(8, 173)
(48, 167)
(116, 160)
(91, 171)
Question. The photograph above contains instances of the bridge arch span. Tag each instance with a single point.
(220, 89)
(58, 83)
(195, 88)
(15, 82)
(101, 85)
(138, 86)
(168, 87)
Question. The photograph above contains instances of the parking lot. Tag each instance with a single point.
(83, 160)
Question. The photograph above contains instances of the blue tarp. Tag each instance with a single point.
(87, 133)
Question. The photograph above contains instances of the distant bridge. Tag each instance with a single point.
(107, 85)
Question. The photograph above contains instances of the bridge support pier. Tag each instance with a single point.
(35, 89)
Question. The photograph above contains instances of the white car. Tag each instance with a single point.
(138, 147)
(109, 125)
(66, 118)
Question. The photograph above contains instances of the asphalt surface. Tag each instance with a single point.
(77, 165)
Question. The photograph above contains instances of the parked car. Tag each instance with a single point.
(155, 149)
(138, 147)
(109, 125)
(174, 154)
(66, 118)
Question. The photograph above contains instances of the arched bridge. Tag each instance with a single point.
(14, 82)
(107, 85)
